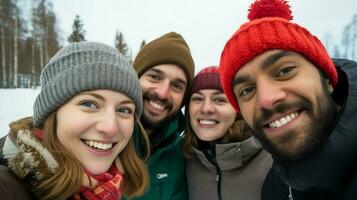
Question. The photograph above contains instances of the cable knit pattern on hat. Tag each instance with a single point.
(82, 67)
(270, 28)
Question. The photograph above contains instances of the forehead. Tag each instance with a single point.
(209, 92)
(171, 71)
(264, 61)
(105, 95)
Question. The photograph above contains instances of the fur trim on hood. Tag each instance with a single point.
(33, 160)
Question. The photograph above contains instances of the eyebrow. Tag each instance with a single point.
(155, 70)
(94, 95)
(270, 60)
(129, 101)
(162, 73)
(241, 79)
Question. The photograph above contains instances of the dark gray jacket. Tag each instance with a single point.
(237, 172)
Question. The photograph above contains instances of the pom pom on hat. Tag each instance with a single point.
(270, 28)
(269, 8)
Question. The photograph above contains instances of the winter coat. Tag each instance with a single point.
(26, 154)
(11, 187)
(166, 164)
(236, 172)
(331, 173)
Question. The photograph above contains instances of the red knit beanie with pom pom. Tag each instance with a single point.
(269, 28)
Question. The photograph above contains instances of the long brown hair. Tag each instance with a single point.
(67, 179)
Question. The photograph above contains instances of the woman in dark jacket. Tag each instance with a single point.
(224, 161)
(78, 143)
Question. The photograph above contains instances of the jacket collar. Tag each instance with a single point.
(232, 155)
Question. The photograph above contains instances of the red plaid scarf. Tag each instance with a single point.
(109, 187)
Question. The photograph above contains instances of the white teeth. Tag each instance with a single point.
(156, 105)
(98, 145)
(282, 121)
(207, 122)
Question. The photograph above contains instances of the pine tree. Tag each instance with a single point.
(121, 45)
(44, 39)
(78, 32)
(7, 13)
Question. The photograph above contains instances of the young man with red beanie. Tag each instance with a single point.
(297, 101)
(165, 68)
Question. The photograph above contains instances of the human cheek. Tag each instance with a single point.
(247, 115)
(127, 128)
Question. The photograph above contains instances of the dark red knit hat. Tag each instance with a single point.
(270, 28)
(207, 78)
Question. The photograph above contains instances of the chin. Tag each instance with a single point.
(98, 169)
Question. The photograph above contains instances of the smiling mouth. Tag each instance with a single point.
(98, 145)
(156, 105)
(207, 122)
(282, 121)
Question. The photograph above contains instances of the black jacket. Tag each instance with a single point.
(331, 173)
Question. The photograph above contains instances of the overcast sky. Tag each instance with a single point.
(205, 24)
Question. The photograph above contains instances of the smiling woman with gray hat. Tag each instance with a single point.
(78, 143)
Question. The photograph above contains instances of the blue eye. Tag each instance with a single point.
(89, 105)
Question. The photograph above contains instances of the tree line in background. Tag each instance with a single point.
(28, 41)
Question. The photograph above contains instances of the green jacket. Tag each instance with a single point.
(166, 165)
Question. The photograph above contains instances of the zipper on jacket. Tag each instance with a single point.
(211, 156)
(218, 181)
(290, 194)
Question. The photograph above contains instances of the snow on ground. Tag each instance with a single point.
(15, 104)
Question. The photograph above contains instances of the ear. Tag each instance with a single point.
(329, 86)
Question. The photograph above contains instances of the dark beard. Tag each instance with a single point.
(317, 131)
(152, 125)
(147, 121)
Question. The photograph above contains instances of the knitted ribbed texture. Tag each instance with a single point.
(170, 48)
(207, 78)
(269, 33)
(82, 67)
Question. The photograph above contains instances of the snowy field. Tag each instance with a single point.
(15, 104)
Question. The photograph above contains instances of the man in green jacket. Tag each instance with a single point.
(165, 68)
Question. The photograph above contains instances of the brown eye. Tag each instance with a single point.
(246, 91)
(285, 71)
(196, 98)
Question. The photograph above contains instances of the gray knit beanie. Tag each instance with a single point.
(81, 67)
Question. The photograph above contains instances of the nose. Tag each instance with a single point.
(207, 107)
(108, 124)
(269, 94)
(162, 90)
